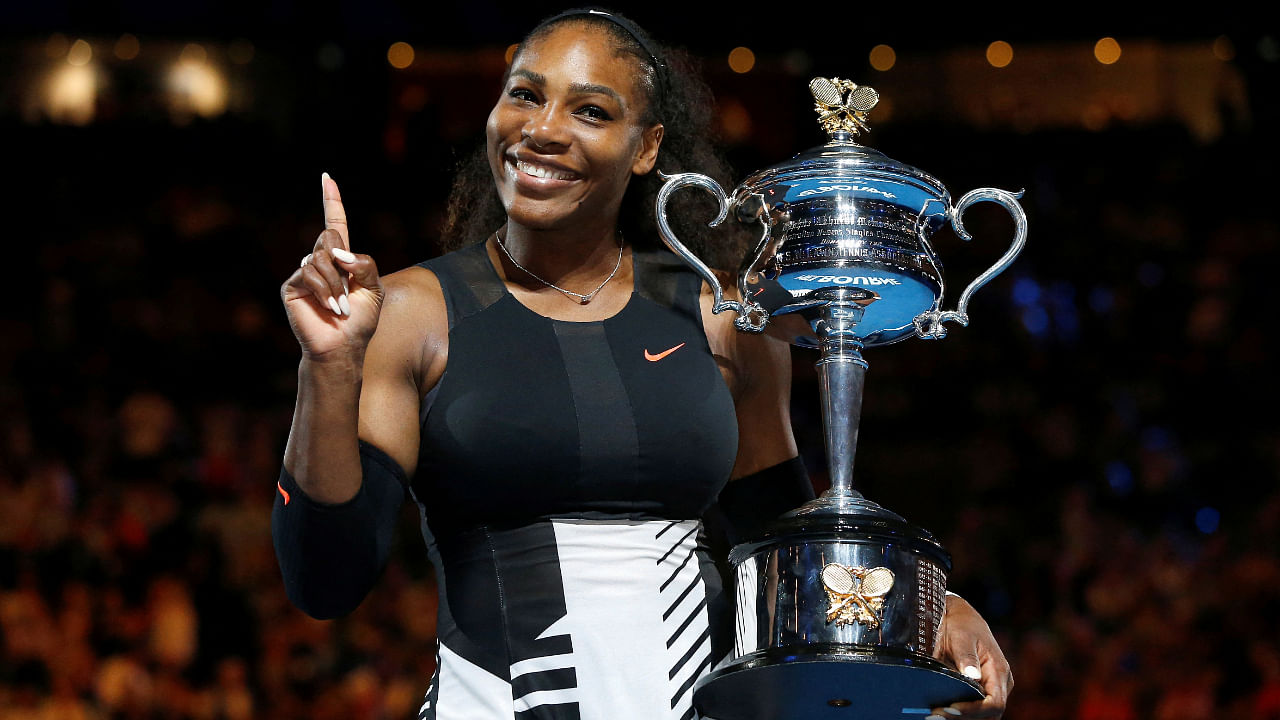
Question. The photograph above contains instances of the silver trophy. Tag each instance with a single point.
(840, 602)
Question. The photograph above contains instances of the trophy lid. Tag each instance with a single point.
(842, 108)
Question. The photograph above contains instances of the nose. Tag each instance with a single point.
(546, 128)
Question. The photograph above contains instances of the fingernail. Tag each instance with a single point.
(343, 255)
(345, 305)
(325, 176)
(972, 671)
(333, 305)
(934, 717)
(951, 711)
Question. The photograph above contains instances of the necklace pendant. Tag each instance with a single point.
(584, 299)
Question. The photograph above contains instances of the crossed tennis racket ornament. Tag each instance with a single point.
(856, 594)
(842, 105)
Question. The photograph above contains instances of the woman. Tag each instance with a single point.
(561, 403)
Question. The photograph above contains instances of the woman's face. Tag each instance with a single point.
(566, 136)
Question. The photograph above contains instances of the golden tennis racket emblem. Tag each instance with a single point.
(856, 594)
(842, 105)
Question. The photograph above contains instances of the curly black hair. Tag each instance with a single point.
(678, 98)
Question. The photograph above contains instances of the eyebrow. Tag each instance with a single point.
(575, 88)
(536, 78)
(590, 89)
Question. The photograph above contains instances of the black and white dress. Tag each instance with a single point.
(564, 467)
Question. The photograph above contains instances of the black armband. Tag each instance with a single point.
(330, 555)
(747, 505)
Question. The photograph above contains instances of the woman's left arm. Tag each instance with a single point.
(768, 478)
(762, 399)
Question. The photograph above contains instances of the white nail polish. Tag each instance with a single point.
(972, 671)
(951, 711)
(934, 717)
(333, 305)
(325, 176)
(345, 305)
(343, 255)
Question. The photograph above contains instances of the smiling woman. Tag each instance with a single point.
(559, 400)
(669, 92)
(563, 143)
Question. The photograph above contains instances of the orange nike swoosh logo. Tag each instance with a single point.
(282, 492)
(655, 358)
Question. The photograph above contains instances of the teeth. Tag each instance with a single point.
(539, 171)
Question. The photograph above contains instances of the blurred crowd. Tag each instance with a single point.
(1097, 450)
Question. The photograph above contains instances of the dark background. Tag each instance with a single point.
(1099, 449)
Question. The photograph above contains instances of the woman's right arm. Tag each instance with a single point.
(371, 347)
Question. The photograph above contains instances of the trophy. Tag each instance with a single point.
(840, 601)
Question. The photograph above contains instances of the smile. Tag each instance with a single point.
(539, 171)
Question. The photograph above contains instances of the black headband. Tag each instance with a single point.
(632, 29)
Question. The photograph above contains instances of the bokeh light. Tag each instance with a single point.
(1207, 520)
(1224, 49)
(71, 94)
(1107, 51)
(127, 47)
(195, 86)
(400, 55)
(741, 60)
(999, 54)
(797, 62)
(1269, 48)
(734, 120)
(81, 53)
(330, 56)
(882, 57)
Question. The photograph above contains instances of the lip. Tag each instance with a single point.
(518, 166)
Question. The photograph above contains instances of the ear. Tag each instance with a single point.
(647, 155)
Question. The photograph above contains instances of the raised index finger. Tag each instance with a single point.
(335, 216)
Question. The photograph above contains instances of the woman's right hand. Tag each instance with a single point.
(334, 298)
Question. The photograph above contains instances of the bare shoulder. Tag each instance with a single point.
(414, 324)
(410, 288)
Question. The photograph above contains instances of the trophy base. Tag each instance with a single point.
(814, 683)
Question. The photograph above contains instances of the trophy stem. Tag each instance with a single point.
(841, 373)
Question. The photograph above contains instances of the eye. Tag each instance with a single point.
(523, 95)
(594, 112)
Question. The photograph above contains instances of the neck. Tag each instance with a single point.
(570, 260)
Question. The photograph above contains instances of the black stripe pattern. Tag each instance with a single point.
(685, 616)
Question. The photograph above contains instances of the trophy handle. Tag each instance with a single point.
(929, 324)
(751, 316)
